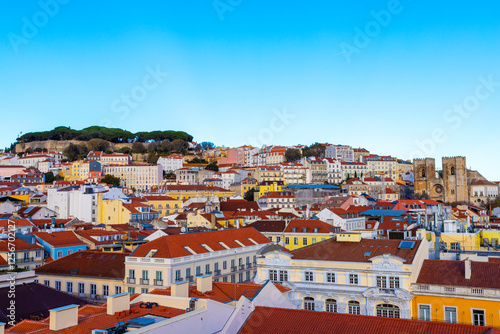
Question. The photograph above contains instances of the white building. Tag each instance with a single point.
(171, 163)
(341, 152)
(342, 218)
(74, 202)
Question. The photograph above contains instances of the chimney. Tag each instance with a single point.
(117, 303)
(468, 268)
(179, 289)
(63, 317)
(204, 283)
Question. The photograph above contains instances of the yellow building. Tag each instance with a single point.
(266, 187)
(165, 205)
(459, 292)
(90, 274)
(240, 189)
(461, 241)
(268, 173)
(304, 232)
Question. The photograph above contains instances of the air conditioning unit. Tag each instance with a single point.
(486, 241)
(99, 331)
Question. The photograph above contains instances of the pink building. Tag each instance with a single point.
(8, 171)
(235, 156)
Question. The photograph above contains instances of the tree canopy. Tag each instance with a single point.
(113, 135)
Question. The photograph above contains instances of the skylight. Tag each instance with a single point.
(406, 244)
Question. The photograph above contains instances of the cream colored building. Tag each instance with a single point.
(140, 177)
(349, 275)
(228, 255)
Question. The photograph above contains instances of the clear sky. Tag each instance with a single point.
(402, 78)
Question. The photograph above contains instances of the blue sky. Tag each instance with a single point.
(408, 78)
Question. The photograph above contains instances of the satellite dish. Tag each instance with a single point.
(183, 229)
(124, 237)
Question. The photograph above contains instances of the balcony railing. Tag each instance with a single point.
(242, 266)
(158, 282)
(190, 278)
(178, 279)
(249, 265)
(130, 280)
(233, 269)
(217, 272)
(144, 281)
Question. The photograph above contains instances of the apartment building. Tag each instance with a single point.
(294, 173)
(340, 152)
(349, 275)
(171, 163)
(138, 177)
(228, 255)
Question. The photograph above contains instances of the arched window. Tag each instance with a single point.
(309, 303)
(331, 305)
(388, 311)
(452, 171)
(353, 307)
(422, 172)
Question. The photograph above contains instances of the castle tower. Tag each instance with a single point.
(455, 179)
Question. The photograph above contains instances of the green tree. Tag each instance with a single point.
(75, 152)
(315, 150)
(250, 195)
(97, 144)
(110, 179)
(152, 158)
(125, 150)
(138, 148)
(206, 145)
(49, 177)
(212, 166)
(292, 155)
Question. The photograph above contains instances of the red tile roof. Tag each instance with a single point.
(89, 263)
(444, 272)
(287, 321)
(344, 251)
(173, 246)
(18, 245)
(309, 225)
(223, 292)
(60, 239)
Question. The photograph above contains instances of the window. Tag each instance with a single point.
(69, 287)
(278, 239)
(131, 290)
(93, 289)
(59, 254)
(424, 312)
(283, 275)
(353, 307)
(330, 277)
(295, 241)
(46, 282)
(224, 279)
(353, 279)
(394, 282)
(105, 290)
(188, 273)
(159, 276)
(81, 288)
(216, 266)
(381, 282)
(455, 246)
(388, 311)
(313, 240)
(309, 276)
(207, 268)
(309, 303)
(224, 265)
(57, 285)
(450, 314)
(304, 241)
(478, 318)
(273, 276)
(233, 278)
(144, 290)
(131, 273)
(287, 241)
(240, 277)
(331, 305)
(198, 271)
(248, 275)
(118, 289)
(177, 275)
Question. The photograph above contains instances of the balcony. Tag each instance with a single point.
(131, 280)
(199, 274)
(178, 279)
(158, 282)
(242, 266)
(233, 269)
(208, 273)
(217, 272)
(144, 281)
(190, 278)
(249, 265)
